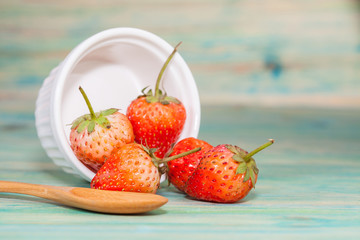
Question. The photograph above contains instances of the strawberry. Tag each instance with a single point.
(129, 169)
(225, 174)
(181, 169)
(95, 136)
(132, 168)
(157, 119)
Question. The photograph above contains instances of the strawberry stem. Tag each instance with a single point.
(92, 113)
(157, 92)
(167, 159)
(252, 153)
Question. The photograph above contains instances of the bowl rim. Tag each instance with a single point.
(70, 62)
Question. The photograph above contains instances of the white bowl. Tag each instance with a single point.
(112, 67)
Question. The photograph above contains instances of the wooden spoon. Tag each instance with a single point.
(89, 199)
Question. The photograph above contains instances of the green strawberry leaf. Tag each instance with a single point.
(145, 149)
(255, 169)
(82, 126)
(164, 102)
(143, 91)
(232, 149)
(109, 111)
(252, 176)
(76, 122)
(238, 158)
(86, 121)
(247, 175)
(103, 122)
(152, 151)
(150, 99)
(160, 92)
(91, 126)
(79, 120)
(89, 121)
(246, 163)
(172, 99)
(241, 168)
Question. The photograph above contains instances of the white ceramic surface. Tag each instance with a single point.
(112, 67)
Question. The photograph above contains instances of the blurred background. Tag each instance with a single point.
(277, 52)
(254, 57)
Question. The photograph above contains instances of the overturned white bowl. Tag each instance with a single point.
(112, 67)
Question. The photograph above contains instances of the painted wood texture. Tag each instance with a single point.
(276, 52)
(308, 185)
(242, 53)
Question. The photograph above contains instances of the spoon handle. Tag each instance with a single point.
(42, 191)
(89, 199)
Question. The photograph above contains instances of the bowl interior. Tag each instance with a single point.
(113, 71)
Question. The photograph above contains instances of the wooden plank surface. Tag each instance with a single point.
(308, 185)
(287, 70)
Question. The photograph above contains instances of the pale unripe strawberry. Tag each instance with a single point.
(95, 136)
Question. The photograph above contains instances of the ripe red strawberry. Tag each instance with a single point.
(225, 174)
(157, 119)
(95, 136)
(181, 169)
(131, 168)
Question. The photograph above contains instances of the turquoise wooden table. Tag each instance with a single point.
(287, 70)
(308, 185)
